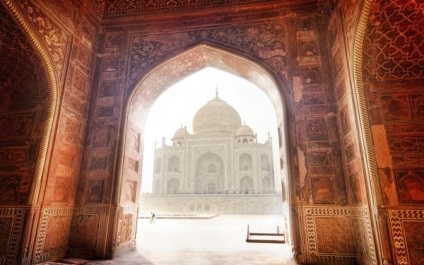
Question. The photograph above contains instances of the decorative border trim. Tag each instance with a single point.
(129, 245)
(364, 126)
(52, 81)
(363, 214)
(17, 214)
(313, 256)
(103, 213)
(399, 243)
(47, 212)
(92, 210)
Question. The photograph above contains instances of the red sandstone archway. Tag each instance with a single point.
(28, 102)
(148, 89)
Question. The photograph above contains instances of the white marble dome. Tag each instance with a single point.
(216, 116)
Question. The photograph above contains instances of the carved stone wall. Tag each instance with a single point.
(23, 106)
(407, 228)
(341, 25)
(92, 221)
(69, 36)
(275, 44)
(23, 110)
(116, 8)
(96, 73)
(12, 226)
(65, 35)
(393, 82)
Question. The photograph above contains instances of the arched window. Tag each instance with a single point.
(158, 165)
(211, 187)
(266, 184)
(265, 165)
(245, 162)
(157, 187)
(246, 184)
(173, 185)
(211, 168)
(174, 164)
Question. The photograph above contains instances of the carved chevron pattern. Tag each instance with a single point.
(399, 241)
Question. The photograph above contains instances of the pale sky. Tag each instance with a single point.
(177, 106)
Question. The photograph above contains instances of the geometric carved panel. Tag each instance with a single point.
(5, 228)
(98, 162)
(107, 89)
(125, 233)
(362, 236)
(404, 144)
(53, 233)
(314, 99)
(101, 136)
(316, 129)
(410, 185)
(393, 42)
(333, 235)
(407, 229)
(322, 190)
(418, 106)
(319, 158)
(10, 186)
(89, 231)
(328, 235)
(61, 189)
(95, 191)
(414, 234)
(395, 107)
(130, 191)
(11, 225)
(133, 164)
(57, 233)
(310, 75)
(85, 230)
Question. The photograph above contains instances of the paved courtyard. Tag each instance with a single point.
(216, 241)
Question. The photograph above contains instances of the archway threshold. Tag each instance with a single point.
(217, 241)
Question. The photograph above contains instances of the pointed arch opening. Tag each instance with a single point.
(159, 79)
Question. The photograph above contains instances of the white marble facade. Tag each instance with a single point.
(222, 156)
(221, 165)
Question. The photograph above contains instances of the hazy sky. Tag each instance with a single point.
(177, 106)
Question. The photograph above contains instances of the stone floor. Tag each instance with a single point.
(217, 241)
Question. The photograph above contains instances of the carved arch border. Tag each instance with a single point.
(149, 87)
(154, 82)
(52, 100)
(364, 126)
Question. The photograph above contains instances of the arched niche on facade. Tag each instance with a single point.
(209, 173)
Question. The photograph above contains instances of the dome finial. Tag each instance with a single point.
(216, 91)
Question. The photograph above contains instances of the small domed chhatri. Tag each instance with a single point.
(245, 135)
(245, 131)
(181, 133)
(221, 159)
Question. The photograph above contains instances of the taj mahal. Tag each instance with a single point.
(221, 167)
